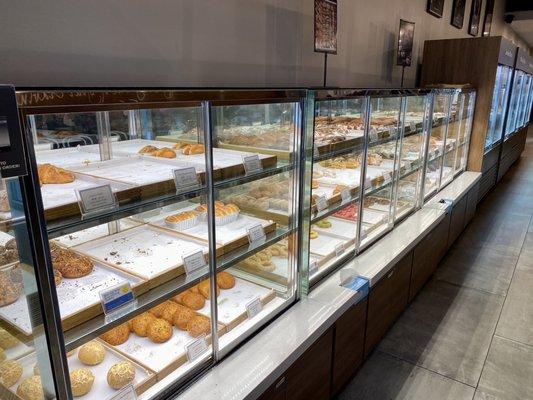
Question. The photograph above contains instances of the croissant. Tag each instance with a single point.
(149, 149)
(51, 174)
(193, 149)
(165, 152)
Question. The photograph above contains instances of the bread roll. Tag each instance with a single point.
(31, 389)
(182, 316)
(10, 372)
(120, 375)
(92, 353)
(159, 331)
(193, 300)
(141, 322)
(81, 381)
(198, 325)
(225, 280)
(7, 341)
(117, 335)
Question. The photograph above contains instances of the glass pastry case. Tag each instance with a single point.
(514, 106)
(465, 120)
(169, 225)
(498, 110)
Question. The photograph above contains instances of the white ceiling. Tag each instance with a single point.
(524, 28)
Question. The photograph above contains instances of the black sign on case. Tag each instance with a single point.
(12, 161)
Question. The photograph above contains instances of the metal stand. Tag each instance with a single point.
(325, 68)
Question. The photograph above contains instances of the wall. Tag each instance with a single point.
(210, 42)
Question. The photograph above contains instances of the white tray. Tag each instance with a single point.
(5, 237)
(144, 251)
(372, 217)
(17, 315)
(95, 232)
(324, 245)
(340, 227)
(70, 156)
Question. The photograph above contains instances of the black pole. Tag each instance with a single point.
(403, 70)
(325, 68)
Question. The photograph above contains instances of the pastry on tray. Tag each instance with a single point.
(315, 184)
(225, 280)
(205, 289)
(313, 234)
(374, 159)
(7, 340)
(4, 201)
(199, 325)
(182, 316)
(50, 174)
(139, 324)
(149, 149)
(338, 189)
(92, 353)
(57, 277)
(31, 389)
(261, 261)
(182, 220)
(323, 223)
(117, 335)
(81, 381)
(191, 149)
(10, 372)
(168, 310)
(193, 300)
(10, 289)
(120, 375)
(165, 152)
(71, 265)
(159, 331)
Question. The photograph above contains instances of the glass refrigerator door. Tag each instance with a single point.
(452, 136)
(495, 117)
(436, 141)
(416, 111)
(530, 100)
(465, 130)
(381, 165)
(512, 118)
(339, 126)
(524, 101)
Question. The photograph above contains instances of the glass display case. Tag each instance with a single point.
(465, 121)
(169, 223)
(523, 111)
(514, 106)
(500, 101)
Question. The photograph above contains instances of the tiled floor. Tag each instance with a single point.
(469, 333)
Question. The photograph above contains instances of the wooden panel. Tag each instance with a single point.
(309, 376)
(427, 255)
(278, 391)
(457, 220)
(348, 345)
(387, 300)
(471, 203)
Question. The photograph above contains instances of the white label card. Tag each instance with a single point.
(97, 198)
(254, 307)
(412, 126)
(321, 203)
(185, 178)
(256, 233)
(339, 249)
(194, 262)
(116, 296)
(127, 393)
(345, 195)
(387, 178)
(252, 164)
(196, 348)
(374, 135)
(313, 267)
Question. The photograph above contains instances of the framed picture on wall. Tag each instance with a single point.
(475, 17)
(435, 7)
(487, 21)
(405, 43)
(326, 26)
(458, 13)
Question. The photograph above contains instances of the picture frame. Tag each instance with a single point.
(475, 18)
(487, 20)
(406, 36)
(458, 13)
(435, 7)
(325, 26)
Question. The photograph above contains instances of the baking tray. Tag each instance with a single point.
(70, 156)
(324, 245)
(279, 275)
(340, 227)
(145, 251)
(95, 232)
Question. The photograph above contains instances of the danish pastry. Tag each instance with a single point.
(193, 300)
(120, 375)
(193, 149)
(165, 152)
(31, 389)
(149, 149)
(10, 372)
(159, 331)
(81, 381)
(50, 174)
(204, 289)
(71, 265)
(140, 323)
(199, 325)
(92, 353)
(117, 335)
(182, 316)
(225, 280)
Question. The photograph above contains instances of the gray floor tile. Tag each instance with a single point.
(516, 321)
(507, 372)
(525, 261)
(478, 268)
(385, 377)
(447, 329)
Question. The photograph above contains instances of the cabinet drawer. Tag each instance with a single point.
(348, 345)
(387, 300)
(457, 220)
(278, 391)
(471, 203)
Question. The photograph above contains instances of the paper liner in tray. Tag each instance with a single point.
(280, 274)
(145, 251)
(340, 227)
(325, 244)
(70, 156)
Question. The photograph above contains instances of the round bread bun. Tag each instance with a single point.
(198, 325)
(225, 280)
(193, 300)
(141, 322)
(117, 335)
(92, 353)
(10, 372)
(205, 290)
(81, 381)
(182, 317)
(159, 331)
(31, 389)
(178, 298)
(120, 375)
(2, 354)
(167, 312)
(7, 340)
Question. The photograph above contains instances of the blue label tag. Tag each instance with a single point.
(116, 296)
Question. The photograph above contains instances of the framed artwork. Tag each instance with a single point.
(435, 7)
(458, 13)
(406, 35)
(326, 26)
(475, 17)
(487, 21)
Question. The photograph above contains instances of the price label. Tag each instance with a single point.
(374, 135)
(345, 195)
(96, 199)
(185, 178)
(387, 178)
(252, 164)
(368, 183)
(391, 131)
(339, 249)
(321, 203)
(127, 393)
(116, 296)
(254, 307)
(313, 267)
(315, 149)
(256, 234)
(194, 262)
(196, 348)
(412, 126)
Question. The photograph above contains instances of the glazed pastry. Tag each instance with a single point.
(50, 174)
(92, 353)
(71, 265)
(120, 375)
(199, 325)
(140, 323)
(313, 234)
(117, 335)
(10, 372)
(31, 389)
(148, 150)
(225, 280)
(204, 289)
(193, 300)
(182, 316)
(81, 381)
(165, 152)
(4, 201)
(193, 149)
(7, 341)
(183, 216)
(159, 331)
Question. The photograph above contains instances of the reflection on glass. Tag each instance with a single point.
(499, 106)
